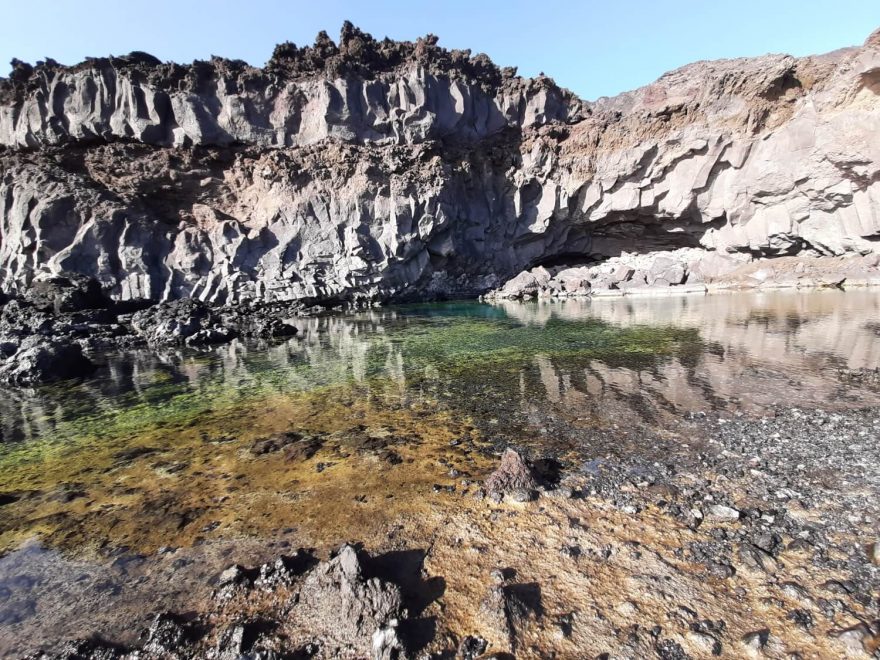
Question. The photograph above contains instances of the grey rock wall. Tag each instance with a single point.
(379, 170)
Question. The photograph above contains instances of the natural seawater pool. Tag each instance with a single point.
(123, 495)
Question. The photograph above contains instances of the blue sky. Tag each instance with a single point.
(594, 48)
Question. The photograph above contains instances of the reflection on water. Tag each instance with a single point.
(635, 356)
(156, 449)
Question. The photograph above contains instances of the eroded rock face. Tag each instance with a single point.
(369, 171)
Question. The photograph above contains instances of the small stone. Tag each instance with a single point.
(854, 638)
(471, 647)
(235, 574)
(724, 513)
(756, 640)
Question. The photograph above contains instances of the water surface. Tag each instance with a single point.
(126, 493)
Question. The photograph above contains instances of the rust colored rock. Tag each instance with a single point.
(512, 478)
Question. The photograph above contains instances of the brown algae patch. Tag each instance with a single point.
(378, 457)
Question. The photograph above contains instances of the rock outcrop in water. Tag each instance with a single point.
(377, 170)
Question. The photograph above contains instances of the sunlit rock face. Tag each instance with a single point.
(370, 170)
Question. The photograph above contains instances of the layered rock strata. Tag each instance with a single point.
(370, 170)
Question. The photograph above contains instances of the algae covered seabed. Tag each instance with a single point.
(126, 494)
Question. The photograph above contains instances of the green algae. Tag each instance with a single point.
(148, 454)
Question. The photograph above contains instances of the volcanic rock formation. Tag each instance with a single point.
(378, 170)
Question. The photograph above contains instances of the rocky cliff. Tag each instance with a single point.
(371, 170)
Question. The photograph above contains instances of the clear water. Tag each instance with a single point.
(125, 493)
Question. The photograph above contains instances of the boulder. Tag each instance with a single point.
(513, 478)
(181, 322)
(40, 360)
(347, 613)
(524, 285)
(68, 292)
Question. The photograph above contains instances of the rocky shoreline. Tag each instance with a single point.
(47, 333)
(54, 328)
(688, 271)
(757, 541)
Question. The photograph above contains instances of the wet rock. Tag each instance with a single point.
(344, 609)
(38, 360)
(512, 478)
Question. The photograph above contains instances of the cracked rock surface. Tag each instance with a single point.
(365, 170)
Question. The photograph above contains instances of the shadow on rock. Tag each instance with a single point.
(405, 568)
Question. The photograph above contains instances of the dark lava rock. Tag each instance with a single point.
(296, 447)
(471, 648)
(40, 360)
(513, 478)
(68, 292)
(802, 618)
(181, 322)
(265, 321)
(274, 443)
(347, 613)
(193, 322)
(670, 650)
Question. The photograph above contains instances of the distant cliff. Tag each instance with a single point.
(379, 170)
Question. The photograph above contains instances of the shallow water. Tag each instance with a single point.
(124, 494)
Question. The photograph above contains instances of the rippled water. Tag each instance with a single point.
(138, 485)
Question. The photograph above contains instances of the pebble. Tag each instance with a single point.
(721, 512)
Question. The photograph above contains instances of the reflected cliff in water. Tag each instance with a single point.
(619, 359)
